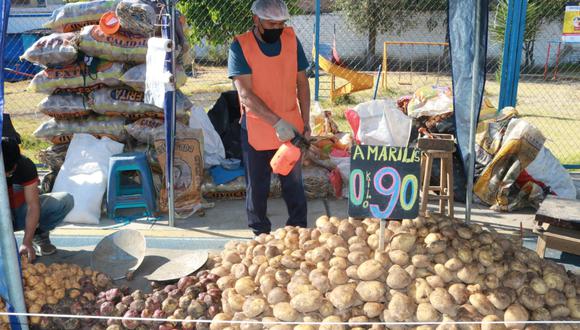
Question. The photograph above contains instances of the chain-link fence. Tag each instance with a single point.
(24, 28)
(550, 76)
(407, 39)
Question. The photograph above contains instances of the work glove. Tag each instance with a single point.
(284, 130)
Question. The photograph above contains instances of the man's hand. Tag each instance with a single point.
(27, 250)
(31, 196)
(284, 130)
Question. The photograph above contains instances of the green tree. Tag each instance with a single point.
(538, 13)
(217, 22)
(378, 16)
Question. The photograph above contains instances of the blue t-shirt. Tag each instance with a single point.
(237, 64)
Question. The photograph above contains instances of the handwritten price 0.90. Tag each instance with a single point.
(397, 191)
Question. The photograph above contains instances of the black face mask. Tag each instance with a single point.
(271, 35)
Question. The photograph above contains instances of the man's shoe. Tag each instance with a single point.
(258, 233)
(42, 245)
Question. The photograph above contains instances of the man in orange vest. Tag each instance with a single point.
(268, 67)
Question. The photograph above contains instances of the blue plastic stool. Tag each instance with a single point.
(123, 196)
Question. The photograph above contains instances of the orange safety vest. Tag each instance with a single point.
(274, 81)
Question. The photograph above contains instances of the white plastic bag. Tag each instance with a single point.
(156, 77)
(381, 123)
(84, 175)
(213, 148)
(545, 168)
(430, 101)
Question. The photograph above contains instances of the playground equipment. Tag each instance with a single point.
(412, 44)
(329, 61)
(558, 55)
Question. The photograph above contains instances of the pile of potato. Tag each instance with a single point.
(4, 325)
(51, 285)
(57, 288)
(432, 269)
(195, 297)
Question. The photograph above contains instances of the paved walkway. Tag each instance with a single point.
(228, 220)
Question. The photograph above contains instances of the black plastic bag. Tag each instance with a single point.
(225, 118)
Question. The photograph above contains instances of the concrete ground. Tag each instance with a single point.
(227, 221)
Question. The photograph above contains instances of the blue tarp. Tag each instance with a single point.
(14, 47)
(5, 7)
(3, 26)
(4, 12)
(462, 34)
(3, 286)
(221, 175)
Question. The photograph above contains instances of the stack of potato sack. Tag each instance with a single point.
(95, 81)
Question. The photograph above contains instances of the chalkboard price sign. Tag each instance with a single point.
(384, 182)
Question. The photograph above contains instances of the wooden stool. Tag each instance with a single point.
(558, 225)
(445, 187)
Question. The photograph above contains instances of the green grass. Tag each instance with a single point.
(552, 106)
(30, 145)
(20, 101)
(21, 105)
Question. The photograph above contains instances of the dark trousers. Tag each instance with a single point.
(258, 173)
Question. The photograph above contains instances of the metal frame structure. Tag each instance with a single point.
(317, 52)
(168, 22)
(386, 44)
(512, 52)
(555, 75)
(10, 263)
(558, 54)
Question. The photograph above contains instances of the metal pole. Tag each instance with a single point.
(520, 16)
(512, 52)
(8, 248)
(385, 54)
(383, 223)
(557, 60)
(9, 251)
(173, 111)
(378, 82)
(317, 52)
(547, 60)
(475, 69)
(168, 31)
(504, 90)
